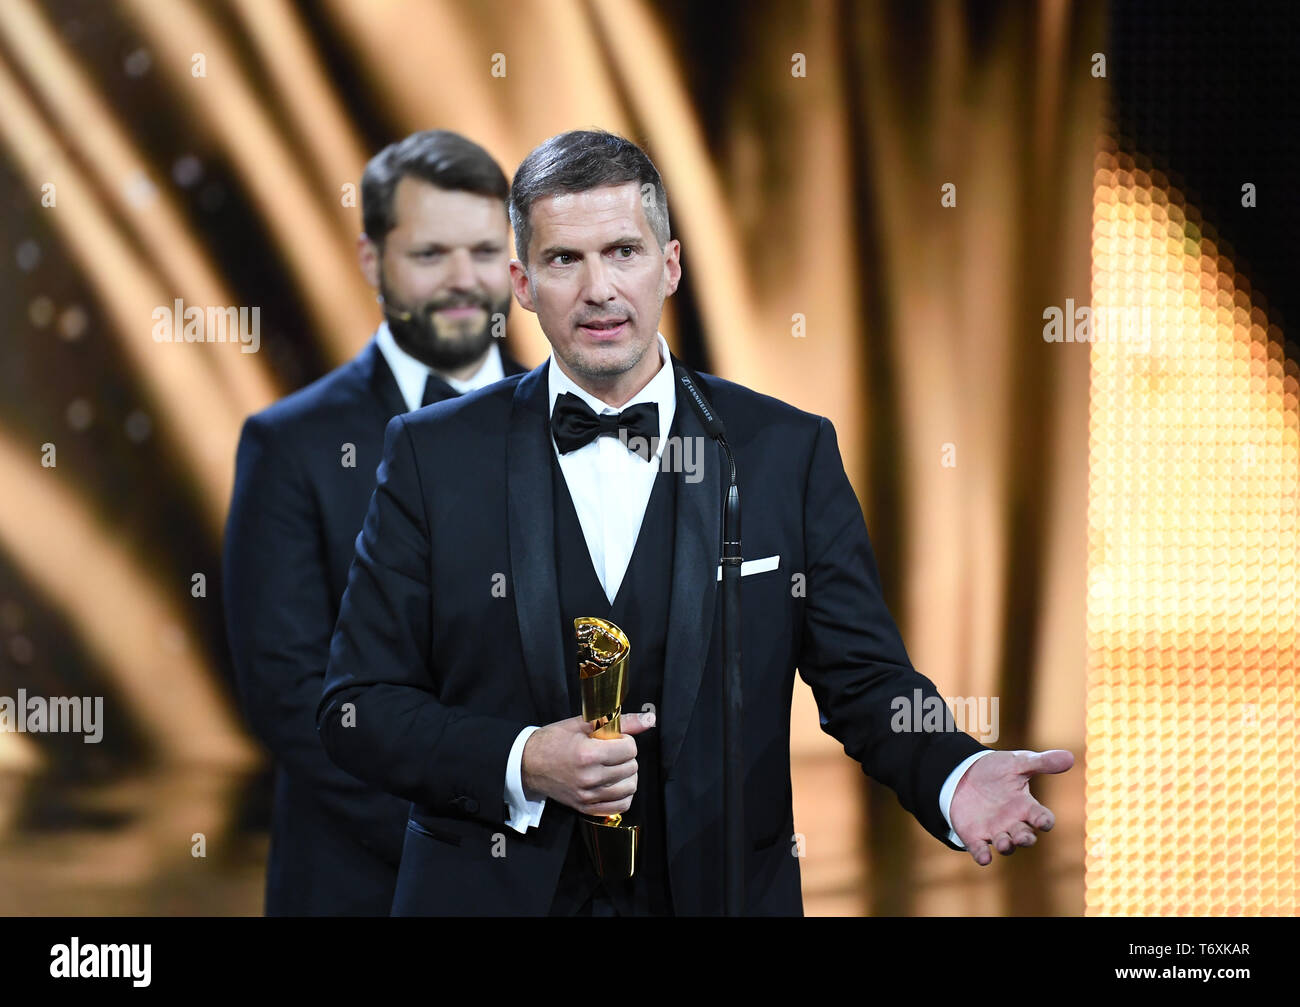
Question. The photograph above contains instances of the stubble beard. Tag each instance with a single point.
(604, 371)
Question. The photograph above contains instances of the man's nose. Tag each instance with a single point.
(599, 287)
(461, 275)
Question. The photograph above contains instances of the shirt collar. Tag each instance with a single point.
(411, 374)
(661, 390)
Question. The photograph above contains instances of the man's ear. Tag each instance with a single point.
(368, 254)
(672, 266)
(522, 288)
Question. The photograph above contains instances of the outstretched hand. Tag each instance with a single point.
(992, 805)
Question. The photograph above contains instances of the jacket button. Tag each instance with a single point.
(470, 805)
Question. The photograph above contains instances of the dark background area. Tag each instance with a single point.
(1208, 92)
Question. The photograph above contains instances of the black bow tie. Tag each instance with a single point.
(574, 423)
(436, 390)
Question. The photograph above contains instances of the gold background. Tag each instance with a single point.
(821, 268)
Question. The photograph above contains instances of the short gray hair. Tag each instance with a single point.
(576, 162)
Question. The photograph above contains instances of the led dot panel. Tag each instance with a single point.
(1194, 468)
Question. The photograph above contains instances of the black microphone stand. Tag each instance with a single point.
(733, 749)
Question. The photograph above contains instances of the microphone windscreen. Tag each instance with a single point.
(713, 425)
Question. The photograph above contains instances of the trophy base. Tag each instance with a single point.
(612, 847)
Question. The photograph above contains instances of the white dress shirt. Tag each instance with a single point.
(411, 374)
(610, 486)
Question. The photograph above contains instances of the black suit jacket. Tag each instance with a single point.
(293, 523)
(438, 672)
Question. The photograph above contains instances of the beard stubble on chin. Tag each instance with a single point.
(601, 371)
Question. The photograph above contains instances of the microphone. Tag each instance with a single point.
(713, 425)
(712, 421)
(401, 316)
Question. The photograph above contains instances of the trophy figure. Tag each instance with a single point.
(602, 672)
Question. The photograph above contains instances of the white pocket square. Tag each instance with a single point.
(755, 566)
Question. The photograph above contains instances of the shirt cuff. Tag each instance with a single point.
(524, 814)
(950, 787)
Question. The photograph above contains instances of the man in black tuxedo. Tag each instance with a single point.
(436, 247)
(501, 517)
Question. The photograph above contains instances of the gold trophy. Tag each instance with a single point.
(602, 673)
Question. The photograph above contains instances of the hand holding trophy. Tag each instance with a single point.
(603, 651)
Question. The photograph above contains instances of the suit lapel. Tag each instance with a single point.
(531, 542)
(696, 550)
(382, 383)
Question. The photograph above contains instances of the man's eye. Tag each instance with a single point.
(427, 253)
(561, 258)
(486, 253)
(628, 249)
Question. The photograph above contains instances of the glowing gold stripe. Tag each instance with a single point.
(321, 260)
(193, 413)
(130, 627)
(85, 120)
(284, 47)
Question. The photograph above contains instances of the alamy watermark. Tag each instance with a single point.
(75, 960)
(679, 454)
(1104, 324)
(214, 324)
(918, 713)
(55, 715)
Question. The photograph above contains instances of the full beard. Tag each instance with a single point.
(443, 346)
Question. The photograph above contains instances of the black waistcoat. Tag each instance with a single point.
(640, 609)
